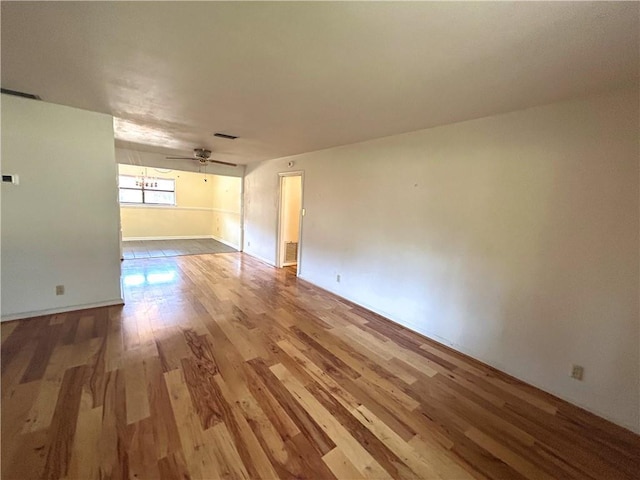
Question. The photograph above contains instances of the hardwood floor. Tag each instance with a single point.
(292, 269)
(219, 366)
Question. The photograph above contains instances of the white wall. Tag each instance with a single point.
(60, 225)
(227, 209)
(512, 238)
(190, 217)
(292, 198)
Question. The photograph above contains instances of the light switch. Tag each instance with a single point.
(10, 179)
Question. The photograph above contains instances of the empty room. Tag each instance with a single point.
(320, 240)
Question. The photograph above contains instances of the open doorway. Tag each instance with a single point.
(290, 221)
(167, 213)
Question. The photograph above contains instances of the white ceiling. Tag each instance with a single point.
(295, 77)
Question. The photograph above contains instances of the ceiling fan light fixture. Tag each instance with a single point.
(201, 153)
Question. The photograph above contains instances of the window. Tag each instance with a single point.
(146, 190)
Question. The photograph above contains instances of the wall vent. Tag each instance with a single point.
(224, 135)
(290, 252)
(15, 93)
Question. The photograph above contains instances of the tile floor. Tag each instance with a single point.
(172, 248)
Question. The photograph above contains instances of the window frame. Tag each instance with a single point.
(142, 189)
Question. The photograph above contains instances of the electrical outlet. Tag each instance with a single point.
(59, 289)
(338, 278)
(248, 244)
(577, 372)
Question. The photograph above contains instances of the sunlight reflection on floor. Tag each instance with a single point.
(151, 278)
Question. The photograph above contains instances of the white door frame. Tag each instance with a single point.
(279, 226)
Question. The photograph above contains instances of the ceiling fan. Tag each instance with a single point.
(202, 155)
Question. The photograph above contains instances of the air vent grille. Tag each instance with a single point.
(224, 135)
(15, 93)
(291, 252)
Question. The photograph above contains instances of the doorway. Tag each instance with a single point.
(166, 212)
(290, 221)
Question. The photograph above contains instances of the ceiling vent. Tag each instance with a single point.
(224, 135)
(15, 93)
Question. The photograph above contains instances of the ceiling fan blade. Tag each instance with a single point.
(223, 163)
(203, 159)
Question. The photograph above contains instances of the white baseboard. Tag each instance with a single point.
(258, 257)
(52, 311)
(479, 357)
(226, 242)
(179, 237)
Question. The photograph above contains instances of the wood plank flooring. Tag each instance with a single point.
(219, 366)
